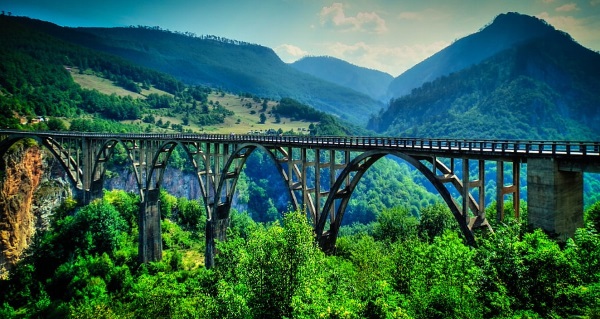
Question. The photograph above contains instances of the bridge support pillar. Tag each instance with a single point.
(95, 191)
(216, 230)
(150, 238)
(554, 197)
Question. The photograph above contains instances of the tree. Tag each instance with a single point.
(271, 264)
(395, 224)
(592, 216)
(263, 118)
(434, 221)
(55, 124)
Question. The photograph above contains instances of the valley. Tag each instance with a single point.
(400, 252)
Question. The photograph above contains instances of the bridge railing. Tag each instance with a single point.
(548, 148)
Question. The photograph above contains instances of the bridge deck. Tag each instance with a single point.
(586, 151)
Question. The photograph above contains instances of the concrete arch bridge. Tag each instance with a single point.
(320, 174)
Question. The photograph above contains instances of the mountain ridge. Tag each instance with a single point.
(374, 83)
(544, 88)
(237, 68)
(505, 31)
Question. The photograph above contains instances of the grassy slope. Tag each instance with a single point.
(247, 122)
(88, 80)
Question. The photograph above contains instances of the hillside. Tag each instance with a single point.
(211, 61)
(41, 75)
(370, 82)
(506, 31)
(544, 88)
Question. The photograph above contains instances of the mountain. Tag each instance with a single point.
(370, 82)
(547, 87)
(212, 61)
(506, 31)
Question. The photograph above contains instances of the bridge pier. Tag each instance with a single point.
(554, 197)
(216, 229)
(150, 237)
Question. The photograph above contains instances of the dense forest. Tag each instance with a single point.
(398, 266)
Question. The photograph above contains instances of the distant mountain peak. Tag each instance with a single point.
(517, 78)
(371, 82)
(504, 32)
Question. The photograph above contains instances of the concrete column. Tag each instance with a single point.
(150, 237)
(216, 230)
(554, 197)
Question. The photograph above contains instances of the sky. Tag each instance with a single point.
(386, 35)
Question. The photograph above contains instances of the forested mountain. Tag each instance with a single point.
(212, 61)
(545, 88)
(35, 79)
(506, 31)
(371, 82)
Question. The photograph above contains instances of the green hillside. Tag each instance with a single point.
(547, 88)
(41, 75)
(506, 31)
(231, 65)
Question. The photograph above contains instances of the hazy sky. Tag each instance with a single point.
(387, 35)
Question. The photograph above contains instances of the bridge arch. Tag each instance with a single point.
(342, 191)
(234, 165)
(70, 166)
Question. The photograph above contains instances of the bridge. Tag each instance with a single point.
(321, 173)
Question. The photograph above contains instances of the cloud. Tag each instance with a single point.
(413, 16)
(582, 30)
(289, 53)
(565, 23)
(335, 17)
(393, 60)
(567, 7)
(428, 14)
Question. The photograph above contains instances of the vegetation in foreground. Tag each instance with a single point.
(397, 267)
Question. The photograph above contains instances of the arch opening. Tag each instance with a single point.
(341, 195)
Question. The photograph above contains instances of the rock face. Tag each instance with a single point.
(22, 174)
(175, 182)
(31, 187)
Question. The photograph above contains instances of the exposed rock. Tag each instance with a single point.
(31, 188)
(176, 182)
(22, 173)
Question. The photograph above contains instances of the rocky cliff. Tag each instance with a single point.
(176, 182)
(22, 173)
(28, 195)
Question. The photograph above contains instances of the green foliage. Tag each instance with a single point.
(395, 224)
(297, 111)
(327, 124)
(435, 220)
(101, 125)
(102, 223)
(271, 263)
(276, 270)
(191, 214)
(168, 203)
(55, 124)
(592, 216)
